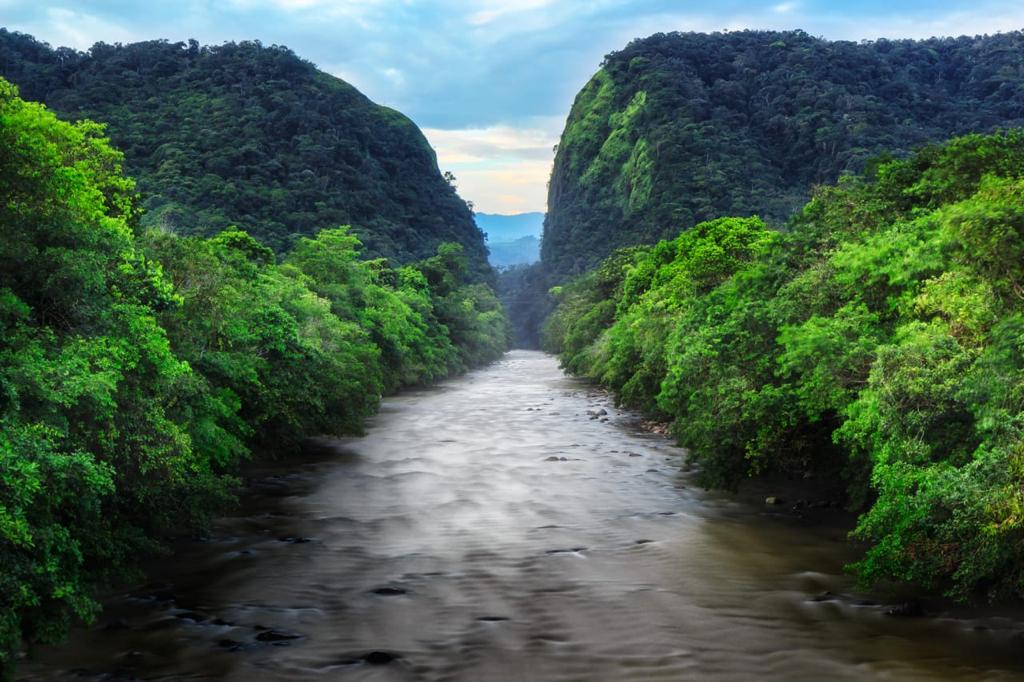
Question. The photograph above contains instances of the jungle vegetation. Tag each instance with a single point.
(879, 337)
(835, 293)
(139, 367)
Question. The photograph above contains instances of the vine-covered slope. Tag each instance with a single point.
(677, 129)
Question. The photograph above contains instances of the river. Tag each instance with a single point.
(491, 529)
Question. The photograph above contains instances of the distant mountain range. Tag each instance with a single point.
(506, 228)
(512, 239)
(522, 251)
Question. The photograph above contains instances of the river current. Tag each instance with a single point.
(500, 527)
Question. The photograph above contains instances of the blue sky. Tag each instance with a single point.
(489, 81)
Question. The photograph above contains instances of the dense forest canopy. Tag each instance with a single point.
(138, 368)
(681, 128)
(878, 341)
(251, 136)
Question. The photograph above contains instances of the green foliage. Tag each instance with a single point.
(266, 341)
(680, 128)
(470, 314)
(138, 368)
(250, 135)
(95, 457)
(639, 295)
(881, 338)
(429, 320)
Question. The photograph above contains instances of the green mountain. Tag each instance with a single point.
(252, 136)
(677, 129)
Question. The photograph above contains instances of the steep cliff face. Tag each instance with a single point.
(253, 136)
(681, 128)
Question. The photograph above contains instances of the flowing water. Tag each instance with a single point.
(491, 529)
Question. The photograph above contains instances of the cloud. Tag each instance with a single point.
(67, 27)
(501, 168)
(473, 145)
(516, 188)
(499, 9)
(954, 23)
(334, 6)
(395, 76)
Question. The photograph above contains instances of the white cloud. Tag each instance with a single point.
(500, 168)
(395, 76)
(492, 10)
(335, 6)
(516, 188)
(81, 31)
(473, 145)
(785, 7)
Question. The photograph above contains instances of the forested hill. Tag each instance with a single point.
(252, 136)
(676, 129)
(877, 344)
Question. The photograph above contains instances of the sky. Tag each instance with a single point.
(490, 82)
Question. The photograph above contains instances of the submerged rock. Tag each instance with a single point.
(229, 644)
(380, 657)
(389, 591)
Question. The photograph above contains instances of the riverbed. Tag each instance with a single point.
(512, 524)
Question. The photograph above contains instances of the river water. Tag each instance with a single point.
(491, 529)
